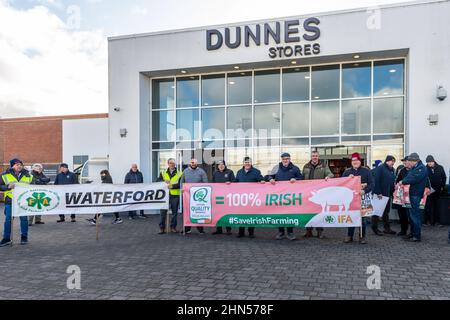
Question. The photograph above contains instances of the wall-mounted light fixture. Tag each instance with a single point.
(441, 93)
(123, 133)
(433, 119)
(117, 109)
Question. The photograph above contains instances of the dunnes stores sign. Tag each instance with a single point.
(292, 38)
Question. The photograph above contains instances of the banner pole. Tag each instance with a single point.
(180, 206)
(12, 228)
(167, 223)
(97, 222)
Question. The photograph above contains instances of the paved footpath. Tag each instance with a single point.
(132, 262)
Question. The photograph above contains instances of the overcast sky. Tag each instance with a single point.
(53, 53)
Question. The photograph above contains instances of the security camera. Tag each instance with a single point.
(441, 93)
(116, 109)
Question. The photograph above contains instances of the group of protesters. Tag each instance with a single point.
(380, 181)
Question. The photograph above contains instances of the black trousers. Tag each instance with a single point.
(385, 218)
(200, 229)
(63, 217)
(432, 208)
(220, 229)
(404, 220)
(134, 213)
(116, 215)
(289, 230)
(251, 231)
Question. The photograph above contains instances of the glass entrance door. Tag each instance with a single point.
(338, 158)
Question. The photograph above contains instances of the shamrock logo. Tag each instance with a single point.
(39, 200)
(329, 219)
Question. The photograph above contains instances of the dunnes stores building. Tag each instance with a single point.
(372, 81)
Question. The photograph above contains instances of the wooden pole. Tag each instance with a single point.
(97, 222)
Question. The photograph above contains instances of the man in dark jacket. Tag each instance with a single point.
(65, 177)
(248, 174)
(134, 176)
(417, 179)
(438, 179)
(39, 178)
(286, 171)
(367, 186)
(316, 170)
(384, 179)
(223, 175)
(401, 173)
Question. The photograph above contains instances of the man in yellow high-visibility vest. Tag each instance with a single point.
(172, 177)
(14, 175)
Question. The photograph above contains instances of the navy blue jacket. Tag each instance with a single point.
(384, 180)
(417, 179)
(253, 175)
(66, 178)
(364, 173)
(287, 173)
(134, 177)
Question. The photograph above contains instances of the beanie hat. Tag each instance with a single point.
(390, 158)
(414, 157)
(13, 162)
(430, 159)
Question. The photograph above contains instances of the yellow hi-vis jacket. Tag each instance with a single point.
(174, 180)
(8, 177)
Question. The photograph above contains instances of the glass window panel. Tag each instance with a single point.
(296, 120)
(356, 117)
(240, 88)
(213, 90)
(163, 125)
(325, 82)
(267, 121)
(356, 140)
(290, 142)
(267, 86)
(235, 157)
(388, 78)
(213, 124)
(238, 143)
(325, 118)
(159, 162)
(388, 139)
(380, 153)
(187, 125)
(163, 145)
(216, 144)
(266, 158)
(266, 142)
(187, 92)
(356, 80)
(239, 121)
(296, 84)
(299, 155)
(324, 141)
(388, 115)
(163, 94)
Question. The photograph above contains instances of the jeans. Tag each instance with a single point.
(351, 231)
(174, 202)
(251, 231)
(415, 217)
(7, 227)
(290, 230)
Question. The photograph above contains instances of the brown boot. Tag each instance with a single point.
(162, 231)
(348, 240)
(308, 234)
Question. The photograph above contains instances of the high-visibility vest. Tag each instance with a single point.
(173, 180)
(10, 178)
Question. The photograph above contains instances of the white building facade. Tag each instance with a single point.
(362, 81)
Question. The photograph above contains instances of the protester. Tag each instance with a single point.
(14, 175)
(438, 179)
(171, 177)
(417, 179)
(107, 179)
(316, 170)
(286, 171)
(367, 186)
(39, 178)
(65, 177)
(248, 173)
(401, 173)
(375, 165)
(223, 175)
(384, 185)
(193, 174)
(134, 176)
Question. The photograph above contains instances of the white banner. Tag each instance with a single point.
(87, 199)
(379, 205)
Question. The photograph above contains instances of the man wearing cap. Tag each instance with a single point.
(417, 179)
(65, 177)
(316, 170)
(367, 186)
(248, 173)
(438, 179)
(285, 171)
(223, 175)
(384, 179)
(16, 174)
(39, 178)
(400, 174)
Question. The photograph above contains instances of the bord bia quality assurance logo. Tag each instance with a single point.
(200, 205)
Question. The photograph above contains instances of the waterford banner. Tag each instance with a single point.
(330, 204)
(30, 200)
